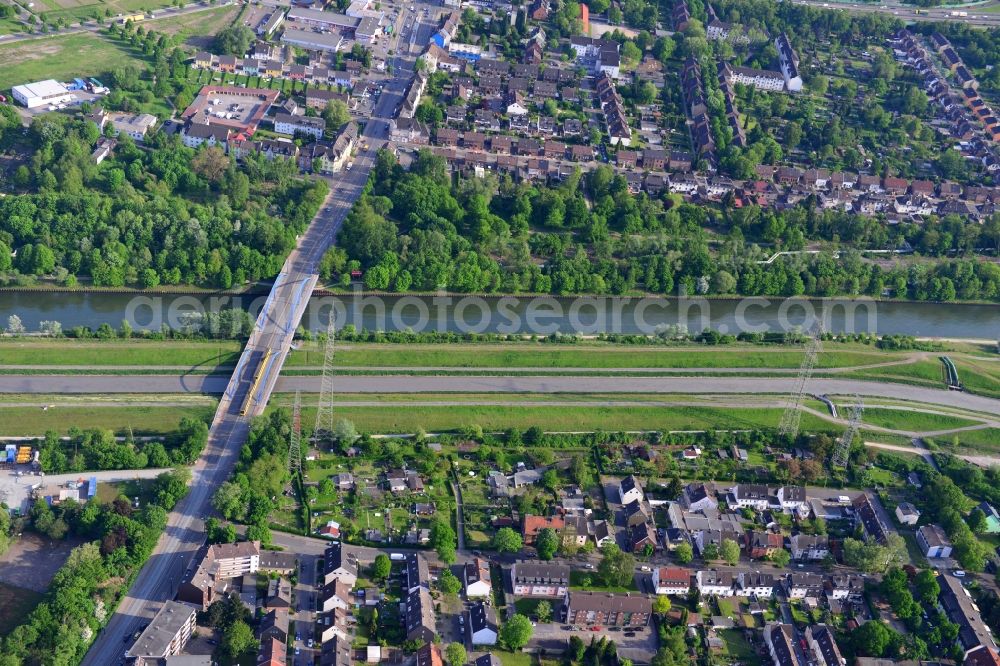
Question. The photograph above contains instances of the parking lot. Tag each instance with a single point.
(640, 646)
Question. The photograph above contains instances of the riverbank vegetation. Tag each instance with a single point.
(419, 229)
(165, 214)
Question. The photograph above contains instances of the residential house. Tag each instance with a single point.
(532, 525)
(607, 609)
(933, 541)
(809, 547)
(671, 580)
(715, 583)
(478, 582)
(481, 621)
(907, 514)
(755, 584)
(420, 621)
(540, 580)
(630, 490)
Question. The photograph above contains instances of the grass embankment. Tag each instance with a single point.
(912, 421)
(20, 421)
(206, 355)
(412, 417)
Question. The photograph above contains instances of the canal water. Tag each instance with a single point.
(541, 315)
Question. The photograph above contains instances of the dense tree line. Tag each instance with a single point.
(261, 476)
(85, 591)
(166, 215)
(417, 230)
(93, 450)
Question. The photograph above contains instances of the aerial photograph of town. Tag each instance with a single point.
(499, 332)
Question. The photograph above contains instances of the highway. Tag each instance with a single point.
(275, 327)
(361, 384)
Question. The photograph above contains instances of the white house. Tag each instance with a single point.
(41, 93)
(285, 123)
(755, 584)
(809, 546)
(792, 499)
(907, 514)
(698, 497)
(751, 495)
(477, 579)
(482, 623)
(933, 541)
(630, 490)
(671, 580)
(711, 582)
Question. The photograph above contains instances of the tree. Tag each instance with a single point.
(336, 115)
(780, 558)
(872, 557)
(230, 501)
(546, 543)
(234, 40)
(14, 326)
(684, 552)
(455, 654)
(444, 541)
(507, 540)
(238, 640)
(977, 521)
(449, 583)
(516, 632)
(345, 432)
(617, 568)
(381, 567)
(872, 639)
(927, 586)
(544, 611)
(730, 552)
(661, 604)
(576, 648)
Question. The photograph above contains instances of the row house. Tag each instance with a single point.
(809, 547)
(540, 579)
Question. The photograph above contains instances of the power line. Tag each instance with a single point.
(843, 450)
(295, 440)
(323, 432)
(792, 415)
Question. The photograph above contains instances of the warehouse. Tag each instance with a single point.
(40, 93)
(312, 41)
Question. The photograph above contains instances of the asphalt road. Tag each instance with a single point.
(517, 384)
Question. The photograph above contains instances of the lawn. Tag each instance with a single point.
(198, 29)
(900, 419)
(529, 355)
(410, 418)
(979, 375)
(737, 647)
(513, 658)
(62, 58)
(15, 605)
(142, 353)
(143, 420)
(986, 440)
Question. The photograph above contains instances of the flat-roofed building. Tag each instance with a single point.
(167, 633)
(40, 93)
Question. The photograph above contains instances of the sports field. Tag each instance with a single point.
(62, 58)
